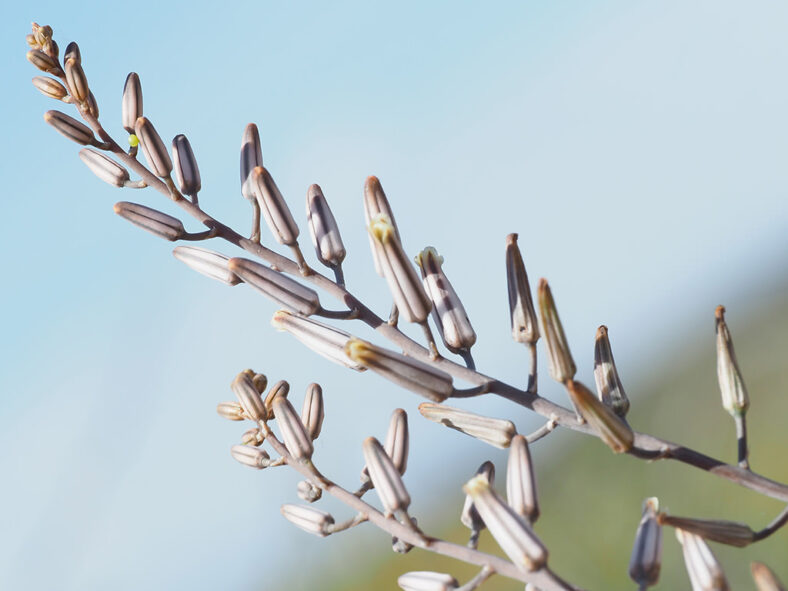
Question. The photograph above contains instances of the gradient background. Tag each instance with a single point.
(638, 148)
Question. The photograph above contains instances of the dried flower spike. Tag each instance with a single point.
(131, 104)
(277, 286)
(734, 394)
(520, 480)
(608, 384)
(323, 229)
(312, 412)
(385, 477)
(611, 429)
(427, 581)
(154, 221)
(153, 147)
(308, 519)
(274, 208)
(525, 328)
(209, 263)
(496, 432)
(294, 434)
(646, 559)
(562, 366)
(764, 578)
(185, 164)
(376, 203)
(704, 571)
(104, 167)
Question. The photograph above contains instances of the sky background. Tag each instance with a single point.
(638, 148)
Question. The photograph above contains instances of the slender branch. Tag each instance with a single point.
(532, 374)
(776, 524)
(542, 431)
(741, 438)
(476, 581)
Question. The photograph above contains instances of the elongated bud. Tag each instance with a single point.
(104, 167)
(251, 456)
(209, 263)
(376, 203)
(764, 578)
(714, 530)
(153, 147)
(405, 371)
(308, 519)
(186, 170)
(323, 339)
(608, 384)
(50, 87)
(412, 301)
(276, 286)
(525, 329)
(646, 559)
(249, 397)
(43, 62)
(496, 432)
(470, 517)
(511, 531)
(76, 79)
(281, 388)
(427, 581)
(293, 432)
(231, 411)
(251, 157)
(561, 364)
(520, 480)
(72, 53)
(734, 394)
(312, 412)
(69, 127)
(447, 309)
(154, 221)
(611, 429)
(397, 440)
(131, 103)
(260, 382)
(308, 492)
(704, 571)
(92, 105)
(323, 229)
(253, 437)
(385, 477)
(275, 211)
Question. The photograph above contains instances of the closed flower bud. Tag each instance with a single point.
(704, 571)
(153, 147)
(312, 412)
(43, 62)
(447, 309)
(72, 53)
(76, 79)
(131, 104)
(293, 432)
(249, 397)
(260, 382)
(186, 170)
(281, 388)
(764, 578)
(520, 480)
(277, 286)
(70, 127)
(323, 339)
(734, 394)
(251, 157)
(427, 581)
(323, 229)
(273, 206)
(470, 516)
(209, 263)
(309, 519)
(308, 492)
(397, 440)
(104, 167)
(511, 531)
(646, 559)
(561, 364)
(608, 384)
(714, 530)
(251, 456)
(376, 203)
(525, 329)
(496, 432)
(403, 370)
(611, 429)
(92, 105)
(385, 476)
(154, 221)
(50, 87)
(412, 301)
(231, 411)
(253, 437)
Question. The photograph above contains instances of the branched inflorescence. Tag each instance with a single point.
(421, 369)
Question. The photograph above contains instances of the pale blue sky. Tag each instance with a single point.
(638, 148)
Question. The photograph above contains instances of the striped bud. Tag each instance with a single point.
(470, 516)
(186, 170)
(72, 52)
(608, 384)
(253, 437)
(43, 62)
(131, 103)
(76, 79)
(611, 429)
(385, 476)
(496, 432)
(293, 432)
(281, 388)
(249, 397)
(714, 530)
(154, 221)
(251, 157)
(308, 492)
(92, 105)
(209, 263)
(376, 203)
(561, 364)
(69, 127)
(260, 382)
(323, 229)
(646, 559)
(308, 519)
(447, 309)
(50, 87)
(104, 167)
(276, 286)
(734, 394)
(153, 147)
(231, 411)
(275, 211)
(397, 440)
(405, 371)
(525, 329)
(520, 480)
(764, 578)
(312, 412)
(323, 339)
(412, 301)
(251, 456)
(427, 581)
(511, 531)
(704, 571)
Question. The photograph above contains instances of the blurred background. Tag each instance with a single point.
(638, 148)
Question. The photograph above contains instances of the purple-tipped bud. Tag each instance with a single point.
(646, 559)
(525, 328)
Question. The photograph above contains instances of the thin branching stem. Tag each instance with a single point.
(741, 438)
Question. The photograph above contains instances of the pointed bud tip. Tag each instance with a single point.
(512, 238)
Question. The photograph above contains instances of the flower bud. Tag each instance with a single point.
(646, 559)
(561, 364)
(397, 440)
(734, 394)
(209, 263)
(185, 164)
(308, 519)
(496, 432)
(385, 476)
(251, 456)
(50, 87)
(276, 286)
(253, 436)
(76, 79)
(376, 203)
(70, 127)
(312, 412)
(608, 384)
(154, 221)
(43, 62)
(281, 388)
(764, 578)
(293, 432)
(470, 516)
(153, 147)
(521, 306)
(308, 492)
(273, 206)
(131, 104)
(251, 157)
(72, 53)
(249, 397)
(611, 429)
(714, 530)
(520, 480)
(427, 581)
(323, 229)
(704, 571)
(104, 167)
(231, 411)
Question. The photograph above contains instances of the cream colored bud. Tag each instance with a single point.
(207, 262)
(249, 397)
(50, 87)
(704, 571)
(280, 388)
(734, 394)
(559, 358)
(385, 476)
(611, 429)
(154, 221)
(76, 79)
(764, 578)
(496, 432)
(308, 519)
(323, 339)
(104, 167)
(312, 412)
(251, 456)
(323, 229)
(427, 581)
(376, 203)
(231, 411)
(251, 157)
(153, 147)
(273, 206)
(470, 516)
(276, 286)
(293, 432)
(520, 480)
(308, 492)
